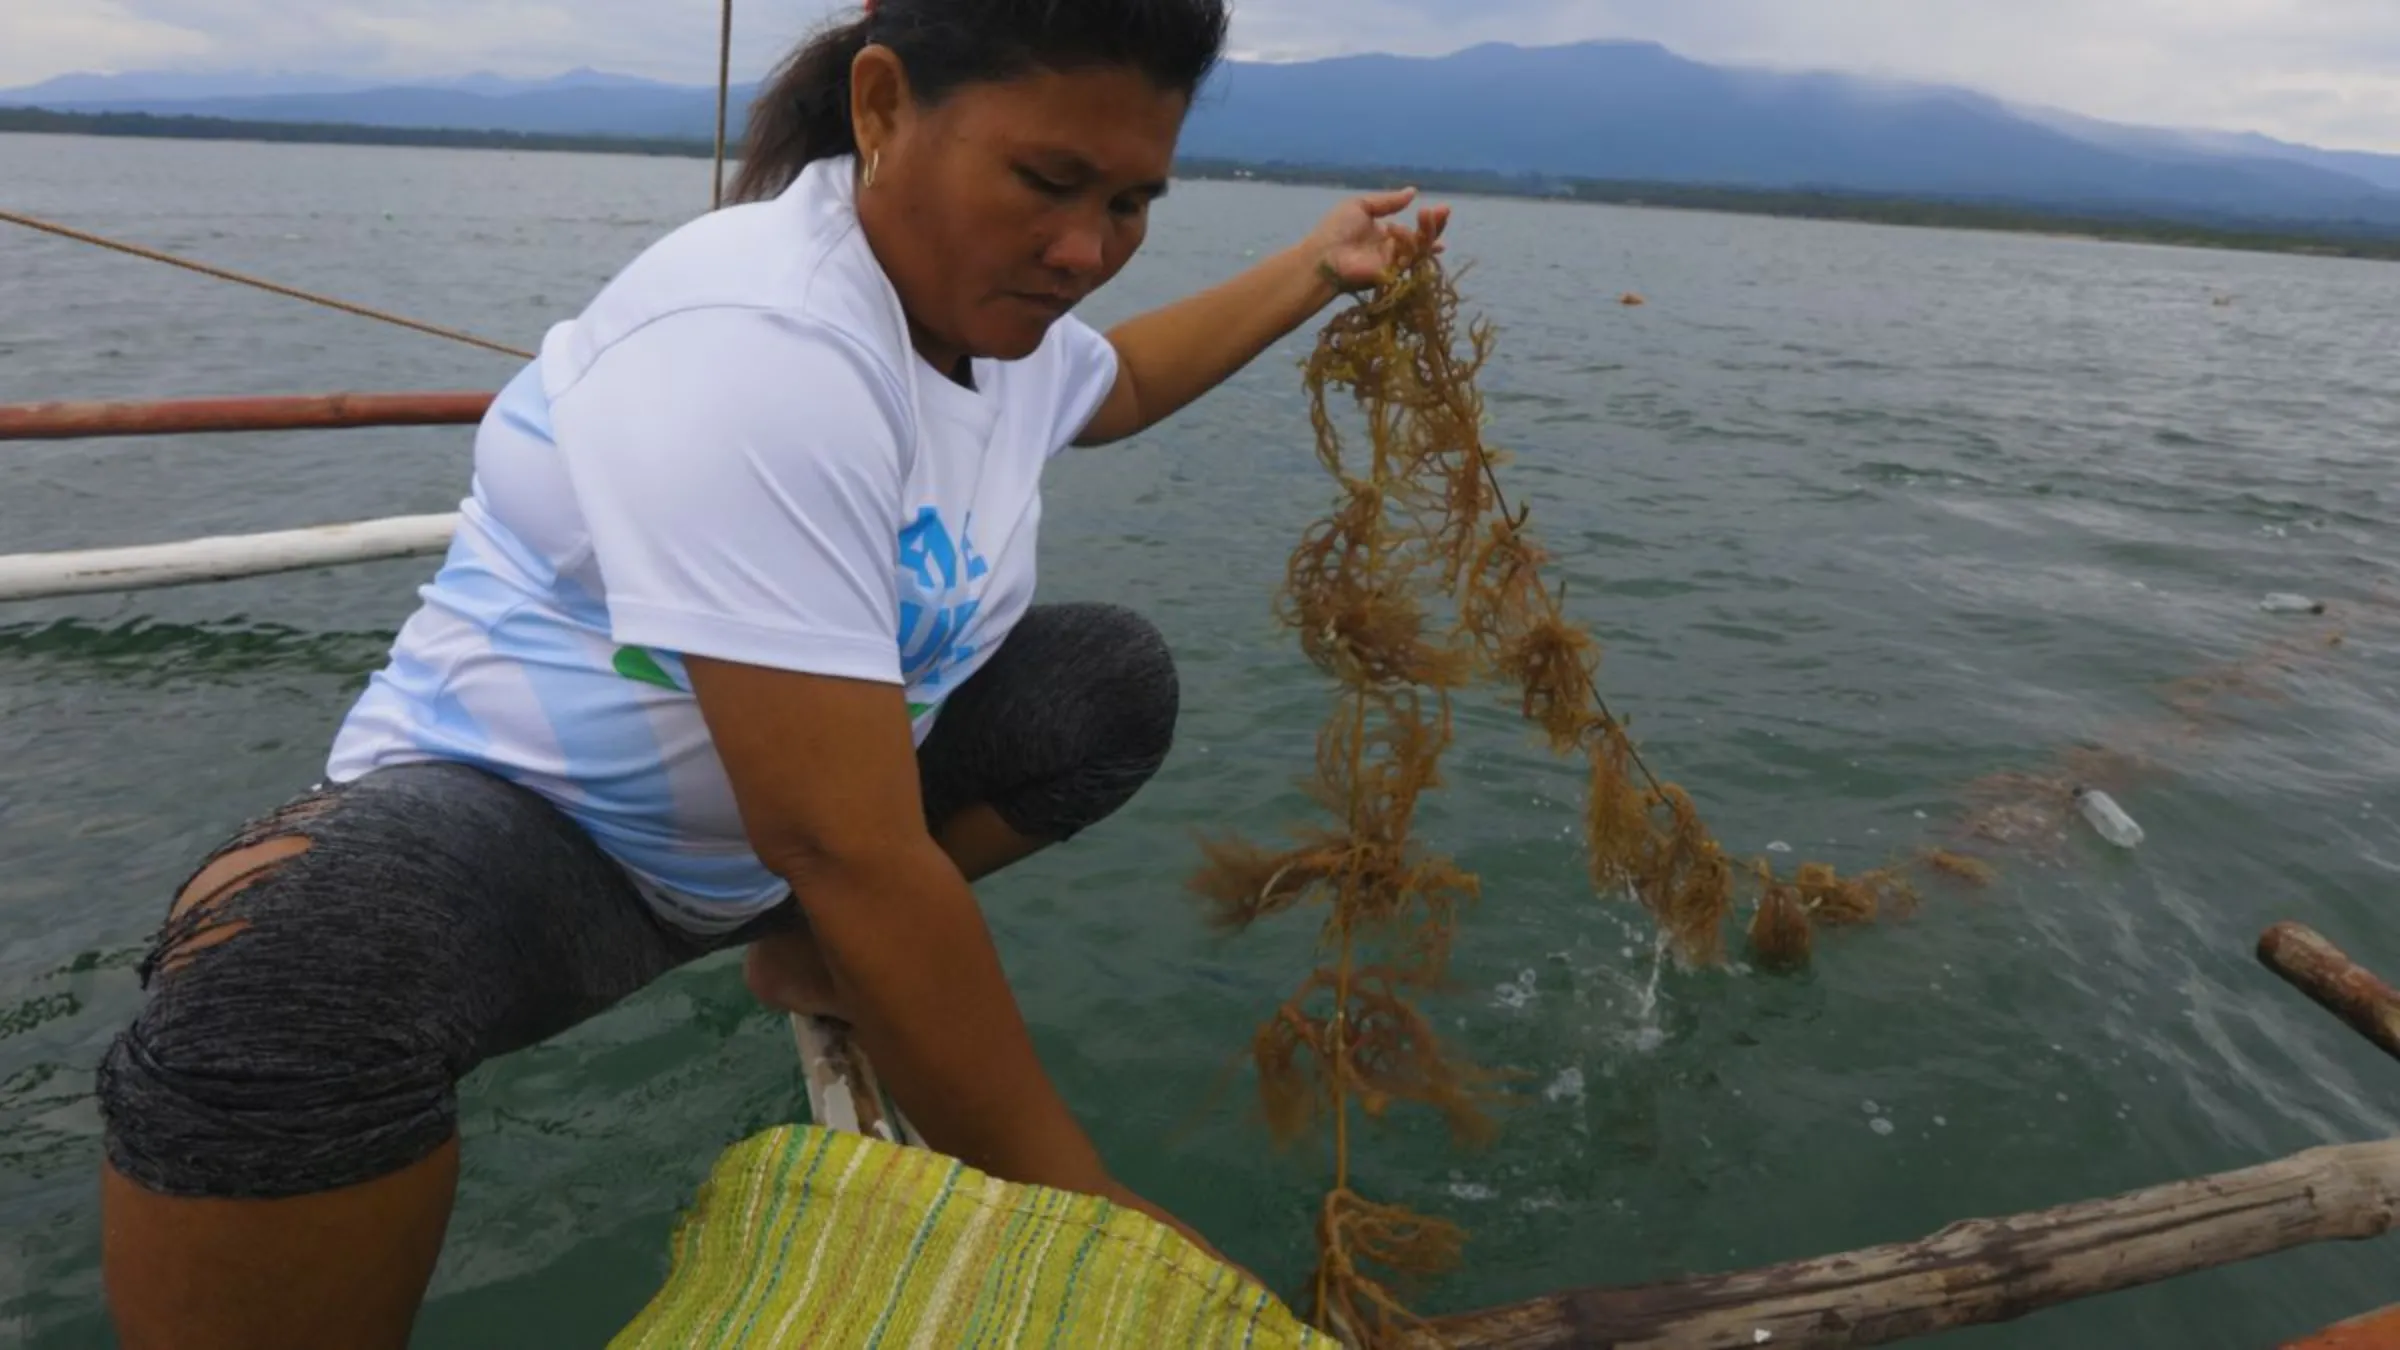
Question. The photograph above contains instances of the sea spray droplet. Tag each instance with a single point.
(1880, 1125)
(1516, 993)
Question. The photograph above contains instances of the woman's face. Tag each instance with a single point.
(1000, 208)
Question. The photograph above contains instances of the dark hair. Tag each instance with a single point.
(802, 112)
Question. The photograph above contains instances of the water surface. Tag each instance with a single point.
(1863, 515)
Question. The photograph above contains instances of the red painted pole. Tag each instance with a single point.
(67, 421)
(2374, 1331)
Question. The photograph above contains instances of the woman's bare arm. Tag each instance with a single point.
(825, 772)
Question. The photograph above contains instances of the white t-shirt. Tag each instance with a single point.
(734, 452)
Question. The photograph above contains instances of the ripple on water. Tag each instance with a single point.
(1863, 516)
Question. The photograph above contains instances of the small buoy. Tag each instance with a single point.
(1629, 300)
(2284, 602)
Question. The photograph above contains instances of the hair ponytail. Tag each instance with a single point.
(801, 114)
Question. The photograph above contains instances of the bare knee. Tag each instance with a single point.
(288, 1044)
(199, 919)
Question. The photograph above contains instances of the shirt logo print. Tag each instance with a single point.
(934, 619)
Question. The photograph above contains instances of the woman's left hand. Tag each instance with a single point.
(1356, 245)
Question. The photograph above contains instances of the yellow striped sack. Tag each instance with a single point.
(804, 1236)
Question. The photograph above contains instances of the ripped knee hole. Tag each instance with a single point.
(197, 921)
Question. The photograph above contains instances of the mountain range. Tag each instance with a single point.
(1619, 111)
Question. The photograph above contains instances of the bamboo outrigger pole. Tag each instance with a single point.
(42, 576)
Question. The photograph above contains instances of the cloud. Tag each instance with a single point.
(663, 39)
(41, 40)
(2325, 71)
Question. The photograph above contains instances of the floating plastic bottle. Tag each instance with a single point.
(2108, 818)
(2284, 602)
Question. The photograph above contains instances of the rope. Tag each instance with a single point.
(1500, 500)
(222, 274)
(724, 93)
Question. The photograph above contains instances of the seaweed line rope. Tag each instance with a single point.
(724, 92)
(1491, 475)
(239, 278)
(1590, 682)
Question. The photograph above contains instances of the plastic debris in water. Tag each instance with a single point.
(2284, 602)
(2108, 818)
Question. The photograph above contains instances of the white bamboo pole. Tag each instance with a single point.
(37, 576)
(843, 1092)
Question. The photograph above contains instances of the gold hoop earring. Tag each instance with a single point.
(873, 159)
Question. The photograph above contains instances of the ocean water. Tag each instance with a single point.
(1864, 517)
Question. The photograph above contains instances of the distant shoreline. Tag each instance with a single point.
(2008, 217)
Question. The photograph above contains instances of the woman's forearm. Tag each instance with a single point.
(914, 962)
(1173, 355)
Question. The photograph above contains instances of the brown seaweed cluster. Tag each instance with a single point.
(1420, 582)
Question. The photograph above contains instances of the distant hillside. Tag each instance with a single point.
(632, 109)
(1597, 111)
(2228, 232)
(124, 91)
(1637, 111)
(150, 126)
(2381, 170)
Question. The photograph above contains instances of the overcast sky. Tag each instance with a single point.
(2322, 71)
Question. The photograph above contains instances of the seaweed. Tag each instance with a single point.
(1418, 583)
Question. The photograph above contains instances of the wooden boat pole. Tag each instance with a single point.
(843, 1090)
(1997, 1270)
(1980, 1271)
(67, 421)
(2340, 985)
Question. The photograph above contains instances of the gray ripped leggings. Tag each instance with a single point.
(309, 1030)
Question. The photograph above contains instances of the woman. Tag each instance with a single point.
(734, 647)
